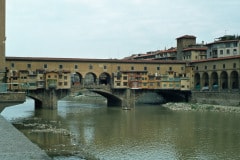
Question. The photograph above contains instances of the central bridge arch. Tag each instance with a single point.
(112, 100)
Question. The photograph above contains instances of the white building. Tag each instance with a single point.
(224, 47)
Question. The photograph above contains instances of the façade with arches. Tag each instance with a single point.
(91, 78)
(217, 75)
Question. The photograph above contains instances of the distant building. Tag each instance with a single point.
(184, 42)
(2, 46)
(186, 50)
(194, 53)
(169, 54)
(224, 47)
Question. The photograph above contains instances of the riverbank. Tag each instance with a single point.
(200, 107)
(14, 145)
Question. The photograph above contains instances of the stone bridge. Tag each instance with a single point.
(125, 98)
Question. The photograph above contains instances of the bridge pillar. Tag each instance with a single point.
(47, 99)
(129, 99)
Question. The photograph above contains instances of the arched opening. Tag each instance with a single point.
(205, 79)
(234, 80)
(104, 79)
(224, 80)
(90, 79)
(205, 82)
(214, 81)
(76, 79)
(197, 81)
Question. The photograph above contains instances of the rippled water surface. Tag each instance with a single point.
(94, 131)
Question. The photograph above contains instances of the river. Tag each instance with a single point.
(93, 131)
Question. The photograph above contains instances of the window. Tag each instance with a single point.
(170, 68)
(145, 68)
(234, 51)
(60, 76)
(60, 66)
(234, 65)
(224, 66)
(104, 67)
(118, 68)
(205, 67)
(228, 51)
(221, 52)
(45, 66)
(125, 83)
(235, 44)
(29, 66)
(12, 65)
(125, 77)
(214, 66)
(90, 66)
(76, 66)
(158, 68)
(132, 68)
(65, 77)
(65, 83)
(196, 67)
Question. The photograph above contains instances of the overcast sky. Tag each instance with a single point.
(113, 29)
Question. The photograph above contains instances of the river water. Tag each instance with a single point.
(94, 131)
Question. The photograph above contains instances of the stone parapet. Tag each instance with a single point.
(217, 98)
(9, 99)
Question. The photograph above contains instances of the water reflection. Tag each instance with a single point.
(76, 130)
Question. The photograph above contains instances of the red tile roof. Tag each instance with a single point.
(51, 59)
(187, 36)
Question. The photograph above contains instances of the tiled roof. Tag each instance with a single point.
(50, 59)
(226, 41)
(187, 36)
(195, 49)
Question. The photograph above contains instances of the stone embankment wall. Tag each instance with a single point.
(216, 98)
(10, 99)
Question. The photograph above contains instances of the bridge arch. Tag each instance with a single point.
(234, 80)
(90, 78)
(205, 79)
(112, 100)
(104, 78)
(197, 81)
(224, 80)
(37, 102)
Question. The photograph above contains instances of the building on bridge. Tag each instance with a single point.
(62, 73)
(144, 80)
(25, 80)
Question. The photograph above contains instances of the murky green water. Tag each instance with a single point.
(91, 131)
